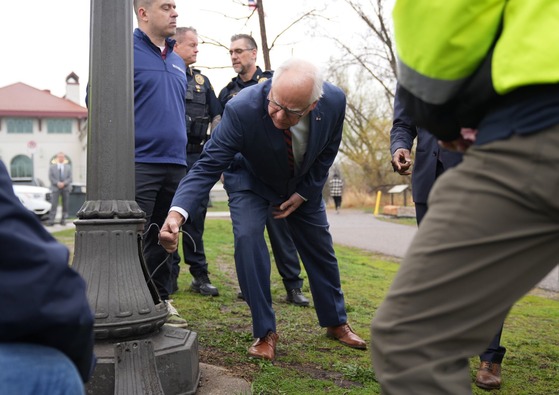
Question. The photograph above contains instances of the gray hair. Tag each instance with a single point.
(181, 31)
(246, 37)
(305, 71)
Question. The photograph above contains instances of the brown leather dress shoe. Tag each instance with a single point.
(346, 336)
(265, 347)
(488, 375)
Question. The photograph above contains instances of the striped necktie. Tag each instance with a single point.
(289, 143)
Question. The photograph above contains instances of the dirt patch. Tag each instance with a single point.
(320, 374)
(242, 369)
(247, 369)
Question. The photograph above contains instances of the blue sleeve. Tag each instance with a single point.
(43, 300)
(217, 155)
(403, 131)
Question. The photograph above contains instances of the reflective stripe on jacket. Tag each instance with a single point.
(442, 43)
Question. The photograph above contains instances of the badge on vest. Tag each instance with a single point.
(199, 78)
(262, 79)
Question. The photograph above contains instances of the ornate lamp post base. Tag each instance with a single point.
(136, 352)
(172, 360)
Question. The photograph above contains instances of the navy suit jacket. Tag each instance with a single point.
(427, 152)
(247, 142)
(43, 299)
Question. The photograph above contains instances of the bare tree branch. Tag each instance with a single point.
(371, 59)
(362, 60)
(309, 14)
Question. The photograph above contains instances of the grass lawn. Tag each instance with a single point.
(309, 363)
(219, 206)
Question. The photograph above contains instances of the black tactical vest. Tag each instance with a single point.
(197, 117)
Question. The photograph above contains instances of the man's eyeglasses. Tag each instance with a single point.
(239, 51)
(290, 113)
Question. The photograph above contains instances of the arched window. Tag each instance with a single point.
(21, 166)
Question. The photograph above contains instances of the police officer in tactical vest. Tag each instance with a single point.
(202, 109)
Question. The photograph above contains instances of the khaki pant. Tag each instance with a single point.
(490, 234)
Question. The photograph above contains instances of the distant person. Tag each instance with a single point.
(490, 232)
(271, 159)
(336, 190)
(160, 138)
(46, 324)
(431, 161)
(243, 51)
(202, 110)
(60, 176)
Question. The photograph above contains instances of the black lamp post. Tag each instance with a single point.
(136, 352)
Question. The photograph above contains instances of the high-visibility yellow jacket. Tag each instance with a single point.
(459, 59)
(440, 43)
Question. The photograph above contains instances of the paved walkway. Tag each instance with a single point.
(355, 228)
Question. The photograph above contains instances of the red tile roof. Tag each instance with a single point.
(21, 100)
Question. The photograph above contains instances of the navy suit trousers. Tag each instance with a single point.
(285, 252)
(309, 229)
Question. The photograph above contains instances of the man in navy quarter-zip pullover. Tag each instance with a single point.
(160, 140)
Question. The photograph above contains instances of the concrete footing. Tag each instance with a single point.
(176, 359)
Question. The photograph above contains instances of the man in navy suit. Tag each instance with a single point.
(243, 51)
(251, 146)
(430, 162)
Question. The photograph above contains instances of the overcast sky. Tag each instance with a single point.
(50, 38)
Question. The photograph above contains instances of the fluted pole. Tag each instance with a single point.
(129, 315)
(108, 235)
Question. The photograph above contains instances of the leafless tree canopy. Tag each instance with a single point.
(370, 58)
